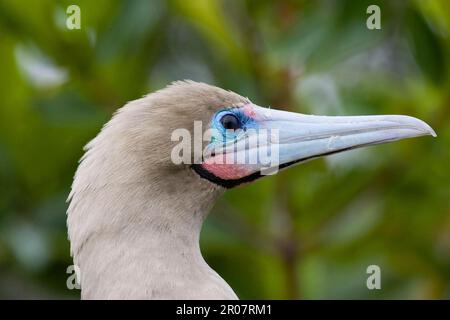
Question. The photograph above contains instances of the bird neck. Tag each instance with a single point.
(134, 219)
(141, 241)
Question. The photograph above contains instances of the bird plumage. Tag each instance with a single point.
(134, 217)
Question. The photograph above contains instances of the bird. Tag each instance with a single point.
(135, 215)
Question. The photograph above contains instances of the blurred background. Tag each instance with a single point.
(309, 232)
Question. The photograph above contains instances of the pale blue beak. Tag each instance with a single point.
(303, 137)
(272, 139)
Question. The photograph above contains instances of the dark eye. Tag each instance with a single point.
(230, 122)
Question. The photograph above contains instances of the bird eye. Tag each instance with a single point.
(230, 122)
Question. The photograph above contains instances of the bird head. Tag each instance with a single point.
(193, 135)
(227, 140)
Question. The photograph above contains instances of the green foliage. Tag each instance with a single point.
(309, 232)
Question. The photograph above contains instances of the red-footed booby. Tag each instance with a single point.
(135, 214)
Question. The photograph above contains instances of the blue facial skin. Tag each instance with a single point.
(228, 136)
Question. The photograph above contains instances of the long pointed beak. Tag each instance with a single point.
(277, 139)
(303, 137)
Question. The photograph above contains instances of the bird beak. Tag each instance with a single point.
(278, 139)
(302, 137)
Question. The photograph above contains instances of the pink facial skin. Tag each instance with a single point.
(249, 111)
(228, 171)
